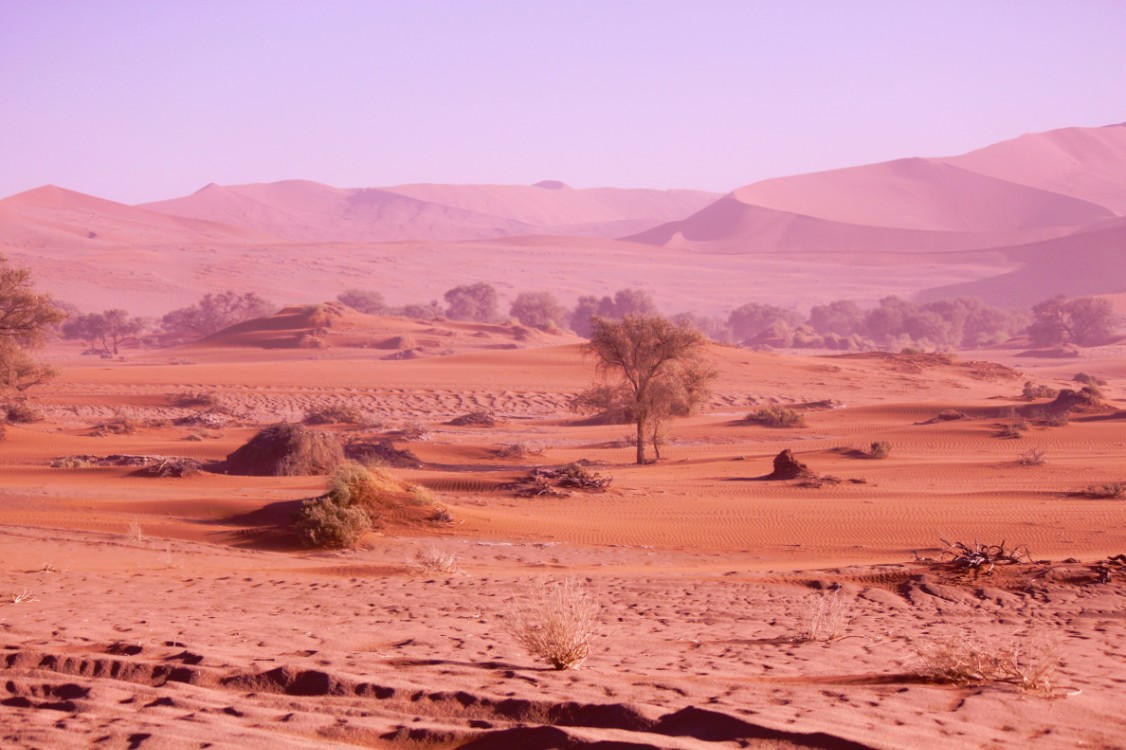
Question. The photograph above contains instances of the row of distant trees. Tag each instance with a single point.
(894, 323)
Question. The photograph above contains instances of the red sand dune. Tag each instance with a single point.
(1091, 262)
(1084, 163)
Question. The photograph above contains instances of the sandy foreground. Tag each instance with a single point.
(178, 612)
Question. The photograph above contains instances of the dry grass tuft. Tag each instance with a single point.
(556, 622)
(1105, 491)
(433, 561)
(822, 618)
(879, 449)
(1032, 457)
(776, 416)
(1028, 663)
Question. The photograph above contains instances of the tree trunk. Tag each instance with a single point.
(640, 437)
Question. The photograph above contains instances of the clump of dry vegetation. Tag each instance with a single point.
(433, 561)
(475, 419)
(559, 481)
(1029, 664)
(1037, 390)
(120, 424)
(21, 412)
(1032, 457)
(557, 622)
(822, 618)
(518, 450)
(413, 431)
(1105, 491)
(286, 450)
(354, 490)
(323, 522)
(176, 466)
(192, 399)
(979, 557)
(879, 449)
(776, 416)
(334, 414)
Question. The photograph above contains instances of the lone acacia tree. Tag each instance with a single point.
(659, 363)
(25, 318)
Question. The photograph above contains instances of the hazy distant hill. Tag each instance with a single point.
(303, 211)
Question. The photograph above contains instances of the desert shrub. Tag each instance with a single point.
(1026, 663)
(363, 300)
(610, 401)
(21, 412)
(822, 618)
(433, 560)
(118, 425)
(3, 432)
(776, 416)
(476, 302)
(475, 419)
(352, 483)
(1088, 379)
(334, 414)
(518, 450)
(1032, 457)
(538, 309)
(413, 431)
(1106, 491)
(188, 399)
(286, 450)
(176, 466)
(1037, 390)
(1011, 430)
(420, 496)
(72, 462)
(323, 522)
(879, 449)
(557, 622)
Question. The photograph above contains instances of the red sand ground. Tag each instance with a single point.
(172, 613)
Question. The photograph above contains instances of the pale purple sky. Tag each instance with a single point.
(138, 101)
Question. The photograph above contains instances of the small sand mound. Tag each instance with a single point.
(1084, 401)
(284, 450)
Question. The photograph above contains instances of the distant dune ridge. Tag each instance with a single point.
(1009, 223)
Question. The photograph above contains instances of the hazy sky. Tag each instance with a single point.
(135, 100)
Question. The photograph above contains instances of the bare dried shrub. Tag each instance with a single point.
(1028, 663)
(822, 618)
(1032, 457)
(433, 561)
(556, 622)
(334, 414)
(776, 416)
(879, 449)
